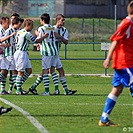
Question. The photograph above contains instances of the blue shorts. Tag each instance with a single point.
(123, 76)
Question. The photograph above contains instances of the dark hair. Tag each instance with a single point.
(16, 20)
(45, 17)
(3, 19)
(21, 20)
(15, 14)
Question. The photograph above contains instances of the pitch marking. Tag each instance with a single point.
(27, 115)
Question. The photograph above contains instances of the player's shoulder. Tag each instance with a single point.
(126, 21)
(40, 28)
(22, 31)
(63, 28)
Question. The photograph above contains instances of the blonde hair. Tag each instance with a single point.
(28, 22)
(130, 8)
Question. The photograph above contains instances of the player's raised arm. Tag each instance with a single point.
(7, 37)
(61, 38)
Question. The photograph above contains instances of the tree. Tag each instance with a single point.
(4, 2)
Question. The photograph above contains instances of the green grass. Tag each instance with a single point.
(79, 113)
(76, 61)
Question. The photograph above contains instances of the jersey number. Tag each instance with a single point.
(51, 36)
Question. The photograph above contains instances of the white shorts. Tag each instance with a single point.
(21, 60)
(48, 61)
(55, 60)
(59, 64)
(8, 63)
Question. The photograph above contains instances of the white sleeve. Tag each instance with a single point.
(30, 37)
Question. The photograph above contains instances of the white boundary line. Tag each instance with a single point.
(27, 115)
(101, 75)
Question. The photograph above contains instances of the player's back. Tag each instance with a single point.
(23, 38)
(48, 45)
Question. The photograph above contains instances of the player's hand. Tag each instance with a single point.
(7, 45)
(38, 46)
(45, 35)
(106, 63)
(57, 35)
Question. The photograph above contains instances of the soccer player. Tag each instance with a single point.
(8, 58)
(4, 110)
(22, 62)
(49, 54)
(11, 78)
(121, 52)
(61, 37)
(4, 25)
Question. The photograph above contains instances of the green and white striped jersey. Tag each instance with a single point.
(23, 40)
(10, 50)
(2, 32)
(63, 32)
(48, 45)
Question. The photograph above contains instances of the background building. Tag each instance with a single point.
(70, 8)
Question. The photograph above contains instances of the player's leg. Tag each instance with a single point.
(13, 75)
(55, 80)
(32, 89)
(46, 65)
(27, 73)
(19, 82)
(62, 78)
(109, 105)
(12, 81)
(21, 63)
(3, 81)
(46, 82)
(3, 75)
(54, 74)
(120, 80)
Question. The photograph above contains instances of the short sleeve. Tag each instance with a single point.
(121, 30)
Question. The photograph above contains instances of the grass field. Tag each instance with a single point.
(79, 113)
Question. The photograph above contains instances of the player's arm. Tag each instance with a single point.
(34, 39)
(7, 37)
(110, 53)
(39, 39)
(61, 38)
(41, 35)
(5, 45)
(36, 33)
